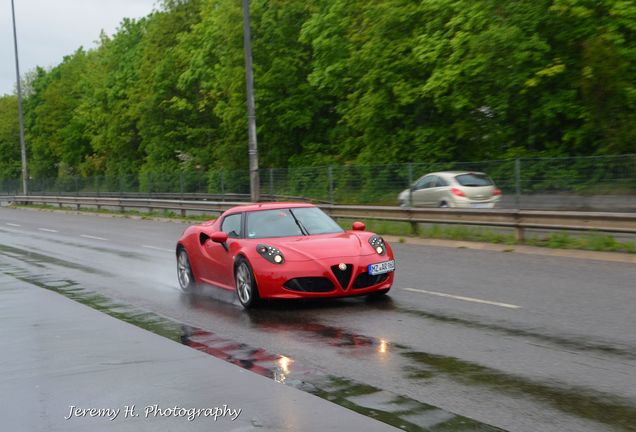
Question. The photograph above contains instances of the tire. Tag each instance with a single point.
(184, 272)
(246, 289)
(443, 204)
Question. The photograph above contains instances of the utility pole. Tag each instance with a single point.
(251, 112)
(25, 189)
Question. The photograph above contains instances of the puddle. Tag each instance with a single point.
(330, 335)
(393, 409)
(120, 253)
(606, 409)
(40, 260)
(573, 342)
(581, 402)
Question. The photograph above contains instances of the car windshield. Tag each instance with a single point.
(473, 180)
(290, 222)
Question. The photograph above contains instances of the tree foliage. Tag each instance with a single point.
(9, 138)
(337, 81)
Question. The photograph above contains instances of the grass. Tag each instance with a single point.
(594, 241)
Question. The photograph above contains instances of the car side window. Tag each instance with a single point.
(425, 182)
(440, 182)
(232, 225)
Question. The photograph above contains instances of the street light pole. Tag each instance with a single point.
(251, 112)
(25, 189)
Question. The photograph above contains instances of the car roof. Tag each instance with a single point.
(266, 206)
(455, 173)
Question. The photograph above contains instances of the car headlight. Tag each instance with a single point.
(270, 253)
(377, 243)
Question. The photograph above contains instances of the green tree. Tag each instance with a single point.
(9, 138)
(336, 82)
(172, 129)
(112, 106)
(57, 144)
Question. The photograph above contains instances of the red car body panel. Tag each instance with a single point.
(305, 256)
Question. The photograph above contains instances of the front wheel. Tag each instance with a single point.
(184, 272)
(246, 285)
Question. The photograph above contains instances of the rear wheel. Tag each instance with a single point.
(246, 284)
(184, 272)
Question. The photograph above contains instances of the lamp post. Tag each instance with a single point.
(251, 112)
(25, 189)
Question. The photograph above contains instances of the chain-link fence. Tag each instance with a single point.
(583, 183)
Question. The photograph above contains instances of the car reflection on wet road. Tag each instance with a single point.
(564, 360)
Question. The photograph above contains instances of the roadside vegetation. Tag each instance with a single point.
(557, 240)
(338, 82)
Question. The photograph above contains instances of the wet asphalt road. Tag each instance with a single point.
(526, 343)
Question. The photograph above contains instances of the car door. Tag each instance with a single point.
(439, 191)
(421, 194)
(219, 268)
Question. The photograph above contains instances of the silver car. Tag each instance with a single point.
(464, 189)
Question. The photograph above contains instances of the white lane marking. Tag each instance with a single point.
(469, 299)
(157, 248)
(12, 230)
(13, 225)
(48, 230)
(93, 237)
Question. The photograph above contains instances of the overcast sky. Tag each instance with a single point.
(50, 29)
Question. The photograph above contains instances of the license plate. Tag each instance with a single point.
(479, 205)
(383, 267)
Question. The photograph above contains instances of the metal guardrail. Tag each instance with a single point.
(185, 196)
(122, 204)
(519, 220)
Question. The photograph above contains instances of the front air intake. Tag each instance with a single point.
(309, 284)
(343, 276)
(365, 280)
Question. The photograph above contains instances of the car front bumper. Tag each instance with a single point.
(322, 279)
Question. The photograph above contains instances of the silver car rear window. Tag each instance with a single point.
(473, 180)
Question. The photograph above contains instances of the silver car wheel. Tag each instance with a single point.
(184, 273)
(244, 283)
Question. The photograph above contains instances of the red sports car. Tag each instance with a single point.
(283, 251)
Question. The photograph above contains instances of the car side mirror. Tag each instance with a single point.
(219, 237)
(216, 237)
(413, 188)
(359, 226)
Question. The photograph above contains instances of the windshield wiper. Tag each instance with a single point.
(299, 223)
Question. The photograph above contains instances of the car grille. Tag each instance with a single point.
(309, 284)
(365, 280)
(343, 276)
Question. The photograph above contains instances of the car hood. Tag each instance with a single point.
(404, 195)
(316, 247)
